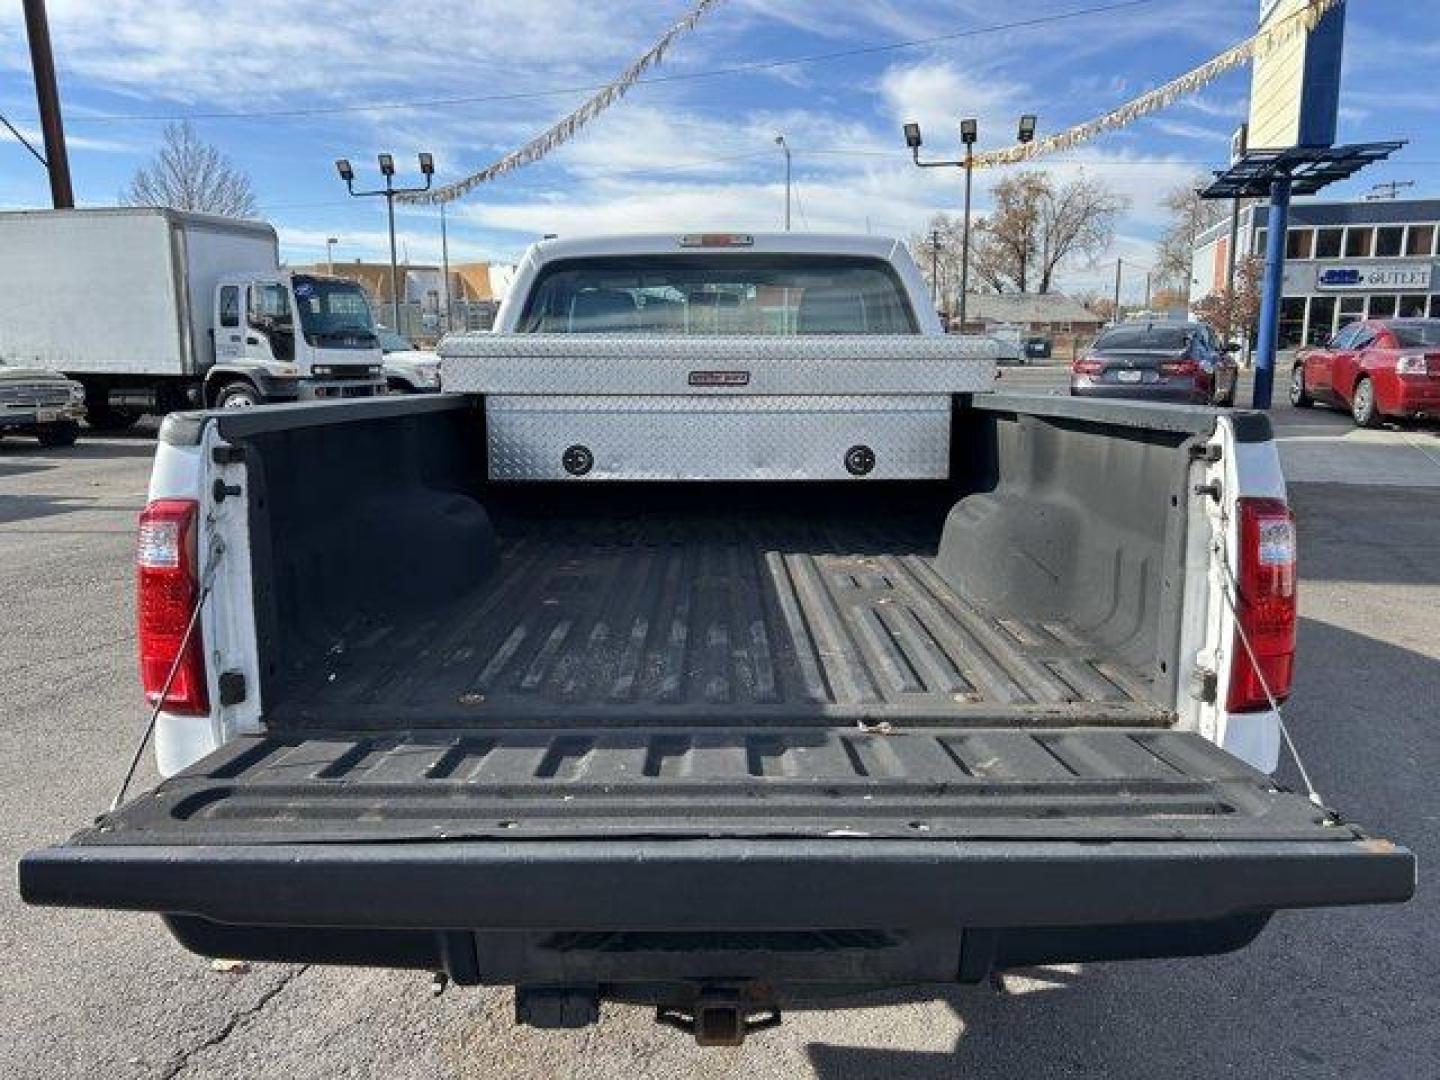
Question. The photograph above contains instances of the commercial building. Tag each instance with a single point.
(1344, 261)
(476, 289)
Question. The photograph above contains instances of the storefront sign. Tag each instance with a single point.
(1373, 278)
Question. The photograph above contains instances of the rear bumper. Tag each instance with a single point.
(29, 417)
(720, 884)
(1421, 400)
(1186, 393)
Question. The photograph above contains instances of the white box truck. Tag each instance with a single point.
(153, 309)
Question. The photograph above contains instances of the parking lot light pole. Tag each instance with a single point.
(785, 147)
(969, 134)
(389, 191)
(330, 254)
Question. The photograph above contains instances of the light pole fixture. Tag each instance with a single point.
(389, 191)
(969, 135)
(784, 146)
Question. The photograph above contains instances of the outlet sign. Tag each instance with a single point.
(1360, 277)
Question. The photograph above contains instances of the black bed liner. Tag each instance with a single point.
(710, 620)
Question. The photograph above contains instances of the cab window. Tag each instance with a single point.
(230, 305)
(270, 306)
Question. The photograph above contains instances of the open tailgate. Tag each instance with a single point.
(718, 828)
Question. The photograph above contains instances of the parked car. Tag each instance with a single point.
(1378, 369)
(39, 402)
(1038, 347)
(408, 370)
(1158, 361)
(676, 658)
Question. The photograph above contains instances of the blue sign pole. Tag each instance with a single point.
(1274, 285)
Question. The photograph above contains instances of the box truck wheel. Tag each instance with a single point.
(237, 395)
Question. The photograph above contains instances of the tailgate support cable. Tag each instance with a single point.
(1264, 682)
(217, 550)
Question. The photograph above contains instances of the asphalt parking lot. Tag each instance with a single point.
(1350, 993)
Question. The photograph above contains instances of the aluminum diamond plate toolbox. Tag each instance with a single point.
(812, 437)
(740, 365)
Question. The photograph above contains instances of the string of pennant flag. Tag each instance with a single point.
(1264, 41)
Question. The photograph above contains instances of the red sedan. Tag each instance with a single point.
(1380, 369)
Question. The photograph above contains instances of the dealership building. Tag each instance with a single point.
(1343, 261)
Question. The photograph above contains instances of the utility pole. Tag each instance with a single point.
(935, 268)
(1147, 290)
(47, 97)
(784, 146)
(445, 265)
(389, 191)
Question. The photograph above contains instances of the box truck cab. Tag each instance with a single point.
(292, 336)
(152, 309)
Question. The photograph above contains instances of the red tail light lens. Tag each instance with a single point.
(1266, 607)
(1180, 367)
(167, 587)
(1087, 365)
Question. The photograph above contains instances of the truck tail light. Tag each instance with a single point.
(167, 589)
(1087, 365)
(1266, 606)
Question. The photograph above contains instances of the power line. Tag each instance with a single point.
(683, 76)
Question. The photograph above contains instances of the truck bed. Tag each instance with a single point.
(709, 619)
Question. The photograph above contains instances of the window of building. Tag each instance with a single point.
(1435, 306)
(230, 305)
(1299, 243)
(1413, 306)
(1327, 243)
(1389, 241)
(1351, 309)
(1383, 307)
(1322, 319)
(1292, 321)
(1358, 242)
(1260, 235)
(1421, 240)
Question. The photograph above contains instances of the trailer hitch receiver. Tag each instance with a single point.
(719, 1018)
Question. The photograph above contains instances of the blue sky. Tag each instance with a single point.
(681, 153)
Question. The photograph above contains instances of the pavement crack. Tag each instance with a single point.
(236, 1021)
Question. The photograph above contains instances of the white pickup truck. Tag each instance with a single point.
(719, 641)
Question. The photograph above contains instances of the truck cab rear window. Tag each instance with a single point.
(718, 294)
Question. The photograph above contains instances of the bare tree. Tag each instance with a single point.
(1036, 228)
(1235, 313)
(1190, 215)
(1101, 304)
(188, 174)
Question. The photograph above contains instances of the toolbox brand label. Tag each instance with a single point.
(719, 378)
